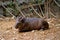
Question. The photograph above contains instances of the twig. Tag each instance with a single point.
(2, 16)
(46, 8)
(51, 12)
(57, 3)
(7, 10)
(36, 12)
(41, 10)
(17, 7)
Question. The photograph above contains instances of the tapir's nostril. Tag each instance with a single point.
(17, 25)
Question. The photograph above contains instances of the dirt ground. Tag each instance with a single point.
(8, 32)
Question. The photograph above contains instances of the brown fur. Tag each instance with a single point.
(28, 24)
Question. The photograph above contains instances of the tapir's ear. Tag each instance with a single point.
(20, 18)
(23, 20)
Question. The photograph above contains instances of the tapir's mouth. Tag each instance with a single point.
(17, 25)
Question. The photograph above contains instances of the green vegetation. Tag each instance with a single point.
(38, 7)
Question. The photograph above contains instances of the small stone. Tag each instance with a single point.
(7, 31)
(14, 38)
(58, 27)
(25, 34)
(32, 31)
(47, 39)
(2, 39)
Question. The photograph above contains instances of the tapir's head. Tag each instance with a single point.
(19, 22)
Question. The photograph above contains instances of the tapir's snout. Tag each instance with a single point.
(16, 25)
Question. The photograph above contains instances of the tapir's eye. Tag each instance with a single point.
(20, 17)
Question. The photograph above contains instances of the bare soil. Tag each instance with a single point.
(8, 32)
